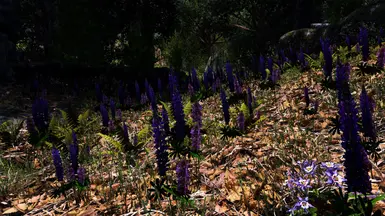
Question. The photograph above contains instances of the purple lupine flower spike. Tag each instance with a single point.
(191, 91)
(160, 145)
(104, 113)
(165, 120)
(195, 80)
(40, 114)
(58, 164)
(144, 99)
(74, 153)
(237, 86)
(183, 177)
(225, 107)
(105, 99)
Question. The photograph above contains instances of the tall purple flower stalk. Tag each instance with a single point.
(144, 99)
(104, 114)
(58, 164)
(237, 86)
(342, 79)
(177, 109)
(74, 153)
(241, 121)
(81, 175)
(225, 107)
(206, 80)
(367, 118)
(40, 114)
(230, 76)
(113, 108)
(172, 83)
(356, 161)
(262, 67)
(160, 145)
(381, 58)
(183, 177)
(327, 53)
(166, 124)
(365, 43)
(152, 96)
(195, 80)
(125, 132)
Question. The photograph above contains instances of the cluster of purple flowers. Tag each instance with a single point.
(104, 113)
(160, 145)
(310, 176)
(177, 109)
(241, 121)
(302, 61)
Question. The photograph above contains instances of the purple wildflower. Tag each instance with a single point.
(104, 113)
(356, 161)
(74, 153)
(183, 177)
(196, 137)
(302, 204)
(225, 107)
(196, 114)
(125, 132)
(206, 80)
(146, 86)
(195, 80)
(367, 118)
(111, 126)
(160, 145)
(105, 99)
(333, 178)
(152, 97)
(308, 167)
(58, 164)
(165, 120)
(303, 184)
(241, 121)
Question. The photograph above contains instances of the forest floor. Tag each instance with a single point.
(244, 175)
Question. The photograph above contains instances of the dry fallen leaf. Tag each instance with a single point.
(221, 207)
(11, 211)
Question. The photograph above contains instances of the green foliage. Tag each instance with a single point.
(145, 134)
(187, 108)
(9, 132)
(116, 142)
(245, 110)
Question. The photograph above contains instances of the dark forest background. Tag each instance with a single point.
(143, 34)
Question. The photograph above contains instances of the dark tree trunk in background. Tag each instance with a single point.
(7, 32)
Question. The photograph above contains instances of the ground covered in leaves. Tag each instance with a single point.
(244, 175)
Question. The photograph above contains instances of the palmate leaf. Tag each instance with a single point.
(116, 143)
